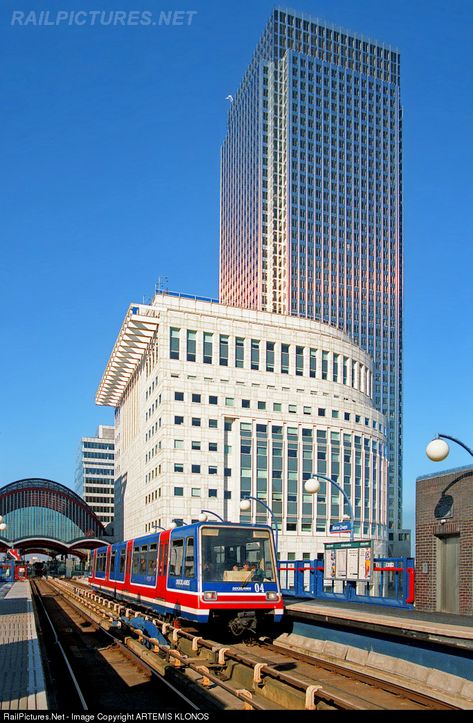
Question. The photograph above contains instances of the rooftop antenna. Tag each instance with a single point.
(161, 286)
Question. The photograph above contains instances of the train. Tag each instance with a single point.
(207, 573)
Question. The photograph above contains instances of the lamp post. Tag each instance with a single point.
(438, 449)
(245, 505)
(3, 525)
(203, 517)
(158, 527)
(312, 485)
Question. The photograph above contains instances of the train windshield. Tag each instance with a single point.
(237, 554)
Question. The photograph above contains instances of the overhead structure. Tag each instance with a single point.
(43, 514)
(139, 326)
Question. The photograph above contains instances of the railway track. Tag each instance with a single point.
(234, 676)
(89, 669)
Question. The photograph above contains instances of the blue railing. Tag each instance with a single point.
(391, 582)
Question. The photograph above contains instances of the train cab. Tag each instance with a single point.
(238, 570)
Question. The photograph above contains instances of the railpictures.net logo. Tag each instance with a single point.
(102, 18)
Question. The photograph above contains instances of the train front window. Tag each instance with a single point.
(237, 554)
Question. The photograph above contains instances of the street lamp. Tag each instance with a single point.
(245, 505)
(438, 449)
(158, 527)
(312, 485)
(203, 517)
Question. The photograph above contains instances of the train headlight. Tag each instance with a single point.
(210, 595)
(273, 596)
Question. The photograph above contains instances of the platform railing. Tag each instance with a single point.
(391, 583)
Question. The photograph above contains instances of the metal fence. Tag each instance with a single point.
(391, 582)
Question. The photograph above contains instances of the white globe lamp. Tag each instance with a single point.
(312, 485)
(437, 450)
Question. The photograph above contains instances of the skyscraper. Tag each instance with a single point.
(311, 198)
(94, 479)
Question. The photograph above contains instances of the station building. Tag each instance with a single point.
(214, 403)
(444, 541)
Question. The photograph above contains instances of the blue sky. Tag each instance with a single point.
(110, 178)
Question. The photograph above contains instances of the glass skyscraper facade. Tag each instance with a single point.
(94, 479)
(311, 198)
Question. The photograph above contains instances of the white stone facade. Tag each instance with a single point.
(196, 427)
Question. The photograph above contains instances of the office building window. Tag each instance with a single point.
(299, 361)
(174, 343)
(255, 354)
(284, 358)
(208, 345)
(239, 352)
(270, 356)
(325, 365)
(191, 345)
(223, 357)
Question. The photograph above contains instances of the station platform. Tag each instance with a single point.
(454, 631)
(434, 640)
(22, 685)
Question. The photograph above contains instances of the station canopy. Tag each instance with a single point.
(45, 516)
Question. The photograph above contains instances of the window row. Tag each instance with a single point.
(292, 409)
(196, 492)
(197, 469)
(270, 356)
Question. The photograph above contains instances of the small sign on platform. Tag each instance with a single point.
(348, 560)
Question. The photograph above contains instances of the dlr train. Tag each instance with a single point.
(207, 573)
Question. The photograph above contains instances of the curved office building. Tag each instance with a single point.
(213, 403)
(41, 508)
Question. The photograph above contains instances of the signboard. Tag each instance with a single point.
(365, 561)
(340, 527)
(341, 564)
(352, 563)
(13, 552)
(348, 560)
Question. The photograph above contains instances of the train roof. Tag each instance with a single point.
(151, 537)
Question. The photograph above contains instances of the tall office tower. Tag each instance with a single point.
(94, 479)
(311, 198)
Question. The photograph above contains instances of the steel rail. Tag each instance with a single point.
(125, 648)
(61, 649)
(372, 680)
(326, 693)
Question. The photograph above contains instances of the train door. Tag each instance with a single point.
(129, 551)
(182, 562)
(163, 557)
(108, 562)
